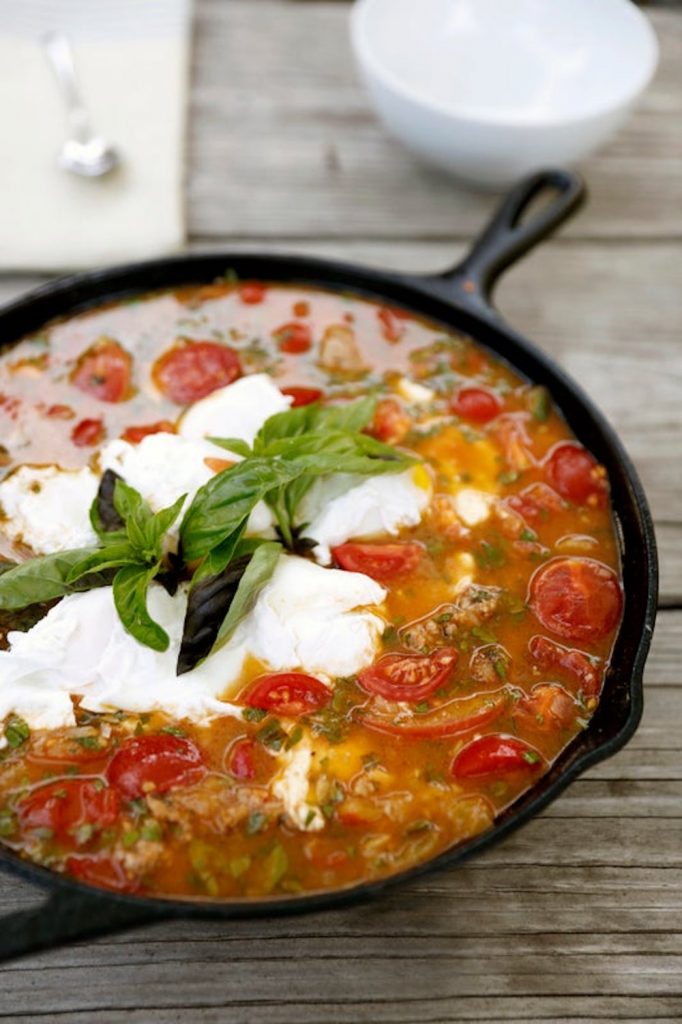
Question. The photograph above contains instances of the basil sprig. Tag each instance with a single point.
(130, 555)
(290, 451)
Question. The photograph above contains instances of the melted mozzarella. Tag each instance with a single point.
(306, 618)
(292, 787)
(47, 508)
(342, 507)
(316, 619)
(472, 506)
(238, 410)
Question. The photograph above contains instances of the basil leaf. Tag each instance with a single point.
(44, 579)
(225, 502)
(111, 556)
(160, 523)
(103, 515)
(219, 557)
(259, 570)
(207, 606)
(130, 597)
(233, 444)
(290, 423)
(353, 416)
(218, 603)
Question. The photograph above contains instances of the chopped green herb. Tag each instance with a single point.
(239, 865)
(272, 735)
(254, 714)
(17, 731)
(528, 535)
(88, 742)
(490, 556)
(310, 817)
(7, 822)
(539, 404)
(174, 730)
(152, 831)
(295, 736)
(255, 823)
(276, 865)
(509, 477)
(422, 707)
(531, 757)
(130, 838)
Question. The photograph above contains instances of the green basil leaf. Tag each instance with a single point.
(234, 445)
(287, 424)
(44, 579)
(157, 527)
(352, 417)
(219, 557)
(130, 597)
(111, 556)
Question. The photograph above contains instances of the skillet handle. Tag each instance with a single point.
(65, 916)
(507, 237)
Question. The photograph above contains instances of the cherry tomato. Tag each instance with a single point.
(410, 677)
(193, 369)
(288, 693)
(240, 760)
(495, 755)
(155, 763)
(380, 561)
(453, 717)
(218, 465)
(552, 656)
(577, 598)
(65, 805)
(104, 371)
(476, 405)
(60, 412)
(391, 423)
(391, 328)
(548, 706)
(293, 338)
(301, 308)
(136, 434)
(575, 474)
(302, 396)
(88, 433)
(102, 870)
(251, 292)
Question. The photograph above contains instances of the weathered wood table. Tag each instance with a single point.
(579, 915)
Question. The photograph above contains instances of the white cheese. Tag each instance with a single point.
(306, 618)
(316, 619)
(47, 507)
(342, 507)
(415, 394)
(292, 786)
(238, 410)
(472, 506)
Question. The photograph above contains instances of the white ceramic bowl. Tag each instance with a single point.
(490, 90)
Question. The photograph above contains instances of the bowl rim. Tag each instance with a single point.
(373, 68)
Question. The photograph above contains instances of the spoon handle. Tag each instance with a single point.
(60, 57)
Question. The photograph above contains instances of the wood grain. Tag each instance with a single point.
(577, 917)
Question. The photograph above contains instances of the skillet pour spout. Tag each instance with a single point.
(458, 298)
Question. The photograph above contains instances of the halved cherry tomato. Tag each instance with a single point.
(293, 338)
(380, 561)
(391, 423)
(391, 328)
(410, 677)
(252, 292)
(240, 759)
(104, 371)
(547, 706)
(575, 474)
(193, 369)
(302, 396)
(155, 763)
(476, 405)
(136, 434)
(88, 433)
(495, 755)
(65, 805)
(288, 693)
(459, 715)
(552, 656)
(577, 598)
(60, 412)
(101, 870)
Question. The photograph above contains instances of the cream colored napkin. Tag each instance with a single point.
(131, 60)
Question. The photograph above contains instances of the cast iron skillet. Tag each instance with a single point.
(458, 298)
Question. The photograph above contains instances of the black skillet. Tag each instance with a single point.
(458, 298)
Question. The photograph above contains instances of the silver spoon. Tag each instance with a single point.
(83, 152)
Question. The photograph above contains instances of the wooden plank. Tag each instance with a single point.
(283, 142)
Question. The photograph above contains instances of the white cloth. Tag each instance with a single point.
(131, 59)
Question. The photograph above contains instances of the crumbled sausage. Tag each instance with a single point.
(212, 803)
(473, 606)
(339, 351)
